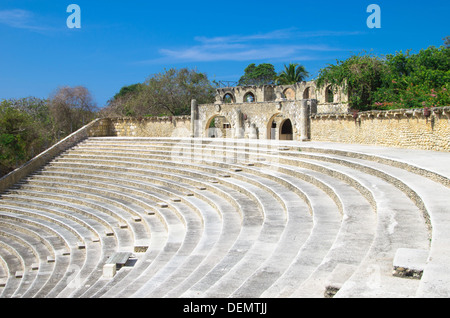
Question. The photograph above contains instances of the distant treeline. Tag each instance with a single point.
(30, 125)
(400, 80)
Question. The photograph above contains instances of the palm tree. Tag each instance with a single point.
(292, 74)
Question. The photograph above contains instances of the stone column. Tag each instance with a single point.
(239, 126)
(253, 132)
(304, 120)
(194, 117)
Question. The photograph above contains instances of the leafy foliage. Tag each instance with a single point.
(359, 76)
(30, 125)
(128, 90)
(166, 93)
(21, 133)
(263, 74)
(401, 80)
(294, 73)
(416, 80)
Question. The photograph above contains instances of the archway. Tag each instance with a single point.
(289, 93)
(249, 98)
(308, 93)
(272, 127)
(218, 127)
(228, 98)
(286, 130)
(329, 95)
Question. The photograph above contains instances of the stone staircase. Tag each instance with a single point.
(228, 218)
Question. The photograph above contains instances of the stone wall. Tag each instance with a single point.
(177, 126)
(328, 100)
(413, 129)
(397, 128)
(251, 120)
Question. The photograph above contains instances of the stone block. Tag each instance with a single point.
(109, 270)
(337, 278)
(140, 248)
(410, 262)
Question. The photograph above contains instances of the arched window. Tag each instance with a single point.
(228, 98)
(289, 93)
(329, 95)
(249, 98)
(307, 93)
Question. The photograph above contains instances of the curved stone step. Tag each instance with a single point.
(14, 263)
(251, 218)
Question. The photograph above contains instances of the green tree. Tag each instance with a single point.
(447, 42)
(416, 80)
(71, 108)
(263, 74)
(400, 80)
(127, 90)
(171, 92)
(17, 135)
(168, 93)
(359, 76)
(293, 73)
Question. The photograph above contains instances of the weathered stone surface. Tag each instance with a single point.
(390, 129)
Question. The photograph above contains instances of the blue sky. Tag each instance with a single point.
(124, 42)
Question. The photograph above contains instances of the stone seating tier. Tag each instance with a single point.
(227, 218)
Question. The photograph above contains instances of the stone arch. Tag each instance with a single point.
(272, 127)
(249, 97)
(218, 126)
(329, 94)
(286, 130)
(308, 93)
(228, 98)
(289, 93)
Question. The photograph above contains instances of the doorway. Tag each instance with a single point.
(286, 132)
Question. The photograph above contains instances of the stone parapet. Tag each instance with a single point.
(170, 126)
(427, 129)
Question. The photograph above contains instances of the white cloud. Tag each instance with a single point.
(274, 35)
(274, 45)
(20, 19)
(290, 33)
(216, 53)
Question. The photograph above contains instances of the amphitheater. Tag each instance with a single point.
(107, 215)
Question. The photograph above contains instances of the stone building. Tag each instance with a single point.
(265, 112)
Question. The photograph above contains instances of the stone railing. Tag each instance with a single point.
(168, 126)
(37, 162)
(422, 128)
